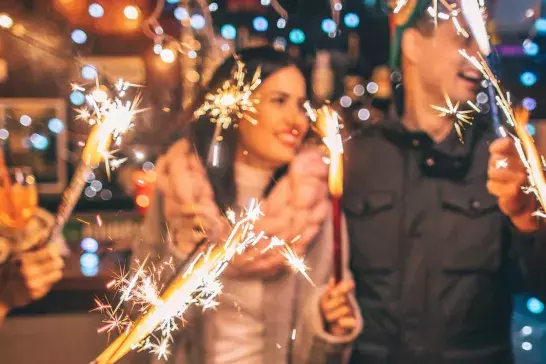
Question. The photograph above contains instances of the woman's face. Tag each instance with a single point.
(281, 121)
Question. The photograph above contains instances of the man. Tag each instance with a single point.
(441, 233)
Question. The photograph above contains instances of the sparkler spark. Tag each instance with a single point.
(232, 101)
(462, 117)
(197, 284)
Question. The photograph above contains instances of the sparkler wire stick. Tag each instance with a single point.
(327, 125)
(474, 17)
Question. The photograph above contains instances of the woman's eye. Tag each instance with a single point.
(279, 100)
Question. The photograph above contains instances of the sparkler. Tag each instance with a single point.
(517, 121)
(195, 284)
(230, 103)
(462, 117)
(110, 119)
(326, 122)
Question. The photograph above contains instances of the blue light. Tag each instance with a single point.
(90, 272)
(528, 79)
(89, 245)
(77, 98)
(297, 36)
(173, 1)
(351, 20)
(281, 23)
(370, 3)
(55, 125)
(328, 25)
(79, 36)
(530, 48)
(535, 306)
(540, 26)
(228, 31)
(96, 11)
(197, 21)
(529, 103)
(181, 13)
(39, 141)
(531, 129)
(260, 23)
(89, 72)
(89, 260)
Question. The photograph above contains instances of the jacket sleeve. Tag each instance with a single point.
(527, 252)
(316, 345)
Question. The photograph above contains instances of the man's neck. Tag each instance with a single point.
(420, 116)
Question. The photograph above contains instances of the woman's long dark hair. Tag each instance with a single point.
(201, 131)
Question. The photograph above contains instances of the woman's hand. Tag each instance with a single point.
(336, 308)
(294, 211)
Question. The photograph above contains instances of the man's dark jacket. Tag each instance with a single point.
(434, 261)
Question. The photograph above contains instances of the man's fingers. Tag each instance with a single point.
(503, 146)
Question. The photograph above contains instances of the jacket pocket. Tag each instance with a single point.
(373, 247)
(471, 227)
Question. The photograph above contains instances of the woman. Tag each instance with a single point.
(267, 315)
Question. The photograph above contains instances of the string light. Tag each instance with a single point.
(167, 55)
(328, 26)
(95, 10)
(79, 36)
(5, 21)
(197, 21)
(260, 23)
(131, 12)
(296, 36)
(228, 31)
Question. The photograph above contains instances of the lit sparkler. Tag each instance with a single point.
(326, 123)
(195, 284)
(232, 101)
(462, 117)
(110, 119)
(517, 121)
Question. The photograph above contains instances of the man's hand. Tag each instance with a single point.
(336, 308)
(31, 277)
(506, 177)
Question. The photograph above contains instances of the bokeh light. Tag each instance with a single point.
(197, 21)
(535, 306)
(328, 26)
(351, 20)
(55, 125)
(228, 31)
(296, 36)
(131, 12)
(79, 36)
(528, 78)
(260, 23)
(95, 10)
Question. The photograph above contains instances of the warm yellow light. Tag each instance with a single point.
(5, 21)
(131, 12)
(167, 55)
